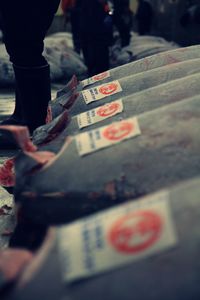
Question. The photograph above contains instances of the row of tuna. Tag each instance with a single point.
(64, 61)
(138, 48)
(117, 166)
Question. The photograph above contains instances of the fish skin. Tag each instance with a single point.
(141, 65)
(140, 82)
(134, 104)
(168, 145)
(172, 273)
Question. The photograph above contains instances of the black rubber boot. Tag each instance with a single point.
(34, 92)
(33, 88)
(16, 117)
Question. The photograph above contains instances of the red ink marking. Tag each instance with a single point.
(171, 59)
(108, 109)
(136, 232)
(100, 76)
(118, 131)
(108, 89)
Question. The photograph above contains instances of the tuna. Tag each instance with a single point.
(95, 169)
(134, 104)
(151, 50)
(147, 250)
(148, 63)
(124, 87)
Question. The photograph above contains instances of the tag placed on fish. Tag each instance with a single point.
(101, 91)
(106, 136)
(100, 113)
(116, 237)
(95, 78)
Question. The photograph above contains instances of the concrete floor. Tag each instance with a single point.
(7, 219)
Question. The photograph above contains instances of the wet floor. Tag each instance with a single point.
(7, 219)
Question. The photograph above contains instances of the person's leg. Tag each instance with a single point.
(123, 28)
(96, 56)
(25, 26)
(101, 52)
(144, 18)
(75, 25)
(89, 57)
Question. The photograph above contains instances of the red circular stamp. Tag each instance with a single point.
(100, 76)
(108, 109)
(118, 131)
(136, 232)
(108, 88)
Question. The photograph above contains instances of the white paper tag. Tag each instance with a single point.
(100, 113)
(106, 136)
(116, 237)
(101, 91)
(95, 78)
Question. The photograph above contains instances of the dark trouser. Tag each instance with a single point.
(25, 25)
(96, 56)
(144, 17)
(124, 31)
(143, 30)
(75, 25)
(123, 20)
(144, 26)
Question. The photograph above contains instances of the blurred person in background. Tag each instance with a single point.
(25, 25)
(1, 28)
(96, 35)
(123, 20)
(191, 16)
(144, 17)
(72, 11)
